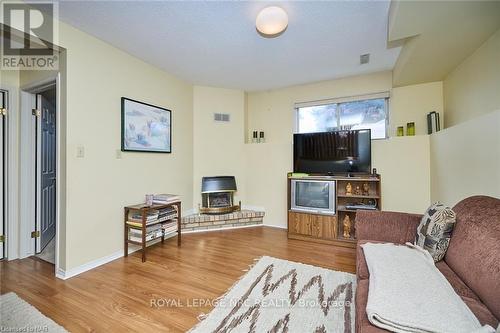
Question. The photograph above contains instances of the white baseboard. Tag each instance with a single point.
(275, 226)
(64, 275)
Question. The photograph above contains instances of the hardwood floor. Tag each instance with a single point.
(118, 296)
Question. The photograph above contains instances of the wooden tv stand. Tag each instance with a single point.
(329, 228)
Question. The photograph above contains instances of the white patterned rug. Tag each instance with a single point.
(283, 296)
(16, 315)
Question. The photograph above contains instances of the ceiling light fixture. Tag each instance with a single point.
(271, 22)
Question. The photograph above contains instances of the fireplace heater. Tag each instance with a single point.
(217, 195)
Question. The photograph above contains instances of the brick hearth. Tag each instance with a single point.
(208, 222)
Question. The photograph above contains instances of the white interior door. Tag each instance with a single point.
(3, 107)
(46, 166)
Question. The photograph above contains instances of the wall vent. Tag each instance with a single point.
(224, 117)
(364, 58)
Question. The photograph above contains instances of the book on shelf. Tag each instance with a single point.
(149, 237)
(151, 233)
(152, 215)
(165, 198)
(170, 229)
(150, 228)
(167, 211)
(433, 122)
(134, 222)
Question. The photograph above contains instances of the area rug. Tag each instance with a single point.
(16, 315)
(283, 296)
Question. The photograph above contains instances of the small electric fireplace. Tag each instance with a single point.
(217, 195)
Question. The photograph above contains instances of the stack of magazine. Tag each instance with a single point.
(152, 232)
(158, 222)
(170, 226)
(135, 218)
(166, 214)
(164, 199)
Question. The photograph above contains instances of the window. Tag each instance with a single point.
(370, 112)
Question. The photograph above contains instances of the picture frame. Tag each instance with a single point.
(145, 127)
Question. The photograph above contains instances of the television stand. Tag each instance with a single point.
(365, 193)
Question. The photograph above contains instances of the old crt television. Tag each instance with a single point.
(312, 195)
(329, 153)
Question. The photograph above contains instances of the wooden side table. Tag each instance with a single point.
(144, 210)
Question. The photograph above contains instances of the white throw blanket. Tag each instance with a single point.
(407, 293)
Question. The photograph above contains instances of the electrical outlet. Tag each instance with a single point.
(80, 152)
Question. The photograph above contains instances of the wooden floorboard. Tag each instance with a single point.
(117, 296)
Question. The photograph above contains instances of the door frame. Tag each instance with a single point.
(11, 226)
(38, 164)
(3, 161)
(28, 200)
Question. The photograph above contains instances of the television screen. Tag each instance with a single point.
(332, 152)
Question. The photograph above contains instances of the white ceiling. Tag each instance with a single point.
(215, 43)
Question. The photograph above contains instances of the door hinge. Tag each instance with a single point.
(36, 112)
(2, 238)
(3, 112)
(35, 234)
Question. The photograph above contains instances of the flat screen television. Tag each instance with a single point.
(337, 152)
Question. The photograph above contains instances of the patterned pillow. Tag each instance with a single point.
(434, 231)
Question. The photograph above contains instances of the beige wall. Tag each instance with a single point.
(404, 163)
(413, 103)
(473, 88)
(466, 160)
(218, 146)
(99, 185)
(9, 78)
(465, 156)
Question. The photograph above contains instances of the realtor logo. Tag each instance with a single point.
(28, 36)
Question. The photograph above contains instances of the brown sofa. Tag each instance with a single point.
(471, 264)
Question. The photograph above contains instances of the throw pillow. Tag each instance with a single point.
(434, 230)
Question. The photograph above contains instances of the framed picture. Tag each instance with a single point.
(146, 127)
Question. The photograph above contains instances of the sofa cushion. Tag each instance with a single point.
(483, 314)
(474, 251)
(363, 325)
(458, 285)
(434, 230)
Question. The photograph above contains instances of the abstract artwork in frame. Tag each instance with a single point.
(145, 127)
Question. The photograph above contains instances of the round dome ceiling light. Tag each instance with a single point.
(271, 22)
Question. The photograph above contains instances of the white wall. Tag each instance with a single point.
(413, 103)
(473, 88)
(465, 156)
(466, 160)
(99, 185)
(218, 146)
(404, 164)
